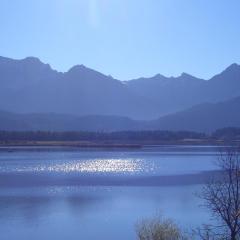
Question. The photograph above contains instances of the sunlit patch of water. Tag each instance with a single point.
(98, 165)
(129, 165)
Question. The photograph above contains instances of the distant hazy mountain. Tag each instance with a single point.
(30, 86)
(177, 93)
(62, 122)
(201, 118)
(171, 94)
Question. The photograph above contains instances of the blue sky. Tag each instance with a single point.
(124, 38)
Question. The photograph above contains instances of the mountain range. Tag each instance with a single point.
(33, 96)
(206, 117)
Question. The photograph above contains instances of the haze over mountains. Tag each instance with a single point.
(41, 98)
(29, 86)
(178, 93)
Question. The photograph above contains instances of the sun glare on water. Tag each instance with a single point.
(99, 165)
(89, 166)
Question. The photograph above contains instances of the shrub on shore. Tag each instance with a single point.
(159, 228)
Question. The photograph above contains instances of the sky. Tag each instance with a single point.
(124, 38)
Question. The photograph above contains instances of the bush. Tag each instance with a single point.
(158, 229)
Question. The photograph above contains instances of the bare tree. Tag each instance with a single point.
(222, 196)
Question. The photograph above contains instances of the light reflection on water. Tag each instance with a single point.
(118, 166)
(107, 162)
(90, 166)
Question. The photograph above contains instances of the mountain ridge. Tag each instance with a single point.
(32, 59)
(29, 85)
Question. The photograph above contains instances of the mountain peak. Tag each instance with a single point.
(185, 75)
(85, 73)
(36, 63)
(77, 68)
(159, 76)
(32, 60)
(231, 73)
(233, 67)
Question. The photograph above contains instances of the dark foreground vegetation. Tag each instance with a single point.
(130, 138)
(221, 196)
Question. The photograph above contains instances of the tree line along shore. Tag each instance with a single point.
(132, 139)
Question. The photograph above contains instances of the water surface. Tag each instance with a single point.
(98, 193)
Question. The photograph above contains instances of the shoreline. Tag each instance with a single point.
(108, 144)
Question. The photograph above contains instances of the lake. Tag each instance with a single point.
(70, 193)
